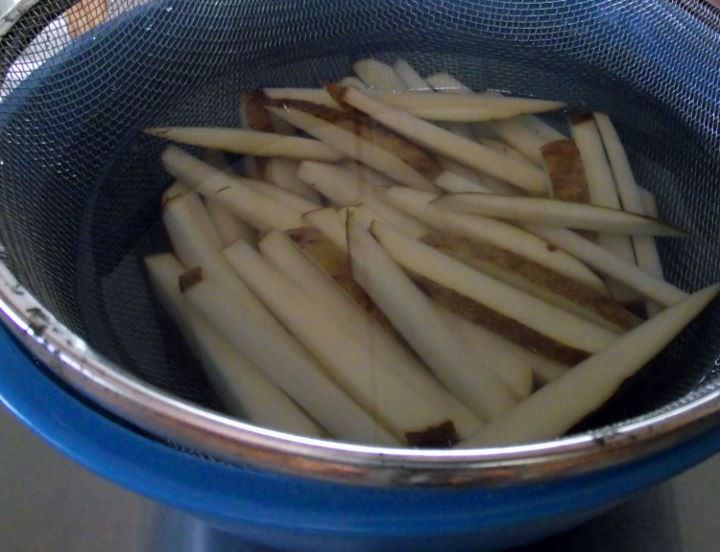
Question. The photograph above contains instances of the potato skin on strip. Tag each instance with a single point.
(366, 128)
(500, 324)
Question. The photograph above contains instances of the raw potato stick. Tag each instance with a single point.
(467, 130)
(229, 227)
(509, 361)
(603, 191)
(283, 173)
(495, 232)
(342, 188)
(648, 258)
(558, 406)
(283, 197)
(358, 138)
(369, 176)
(410, 77)
(536, 280)
(232, 192)
(446, 143)
(555, 323)
(282, 252)
(242, 387)
(458, 178)
(416, 83)
(418, 320)
(499, 324)
(646, 252)
(373, 383)
(195, 248)
(266, 344)
(248, 142)
(458, 108)
(542, 129)
(185, 199)
(254, 117)
(519, 136)
(513, 369)
(351, 81)
(454, 183)
(551, 212)
(605, 262)
(378, 75)
(327, 221)
(504, 149)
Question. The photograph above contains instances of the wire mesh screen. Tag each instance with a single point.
(80, 183)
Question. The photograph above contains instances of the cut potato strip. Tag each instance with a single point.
(492, 231)
(549, 413)
(504, 355)
(410, 77)
(249, 142)
(605, 262)
(351, 81)
(504, 149)
(375, 384)
(252, 207)
(362, 140)
(241, 386)
(342, 188)
(458, 179)
(500, 324)
(253, 116)
(646, 252)
(419, 321)
(335, 262)
(327, 221)
(551, 212)
(516, 133)
(446, 143)
(283, 173)
(447, 84)
(460, 108)
(194, 248)
(185, 201)
(368, 175)
(378, 75)
(555, 323)
(566, 172)
(454, 183)
(267, 345)
(466, 130)
(229, 227)
(542, 129)
(536, 280)
(513, 369)
(283, 197)
(603, 191)
(282, 251)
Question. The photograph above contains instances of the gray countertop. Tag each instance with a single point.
(50, 504)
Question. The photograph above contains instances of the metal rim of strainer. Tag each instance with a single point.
(200, 430)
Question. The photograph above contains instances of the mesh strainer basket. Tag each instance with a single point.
(80, 187)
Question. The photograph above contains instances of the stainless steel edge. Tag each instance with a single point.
(201, 430)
